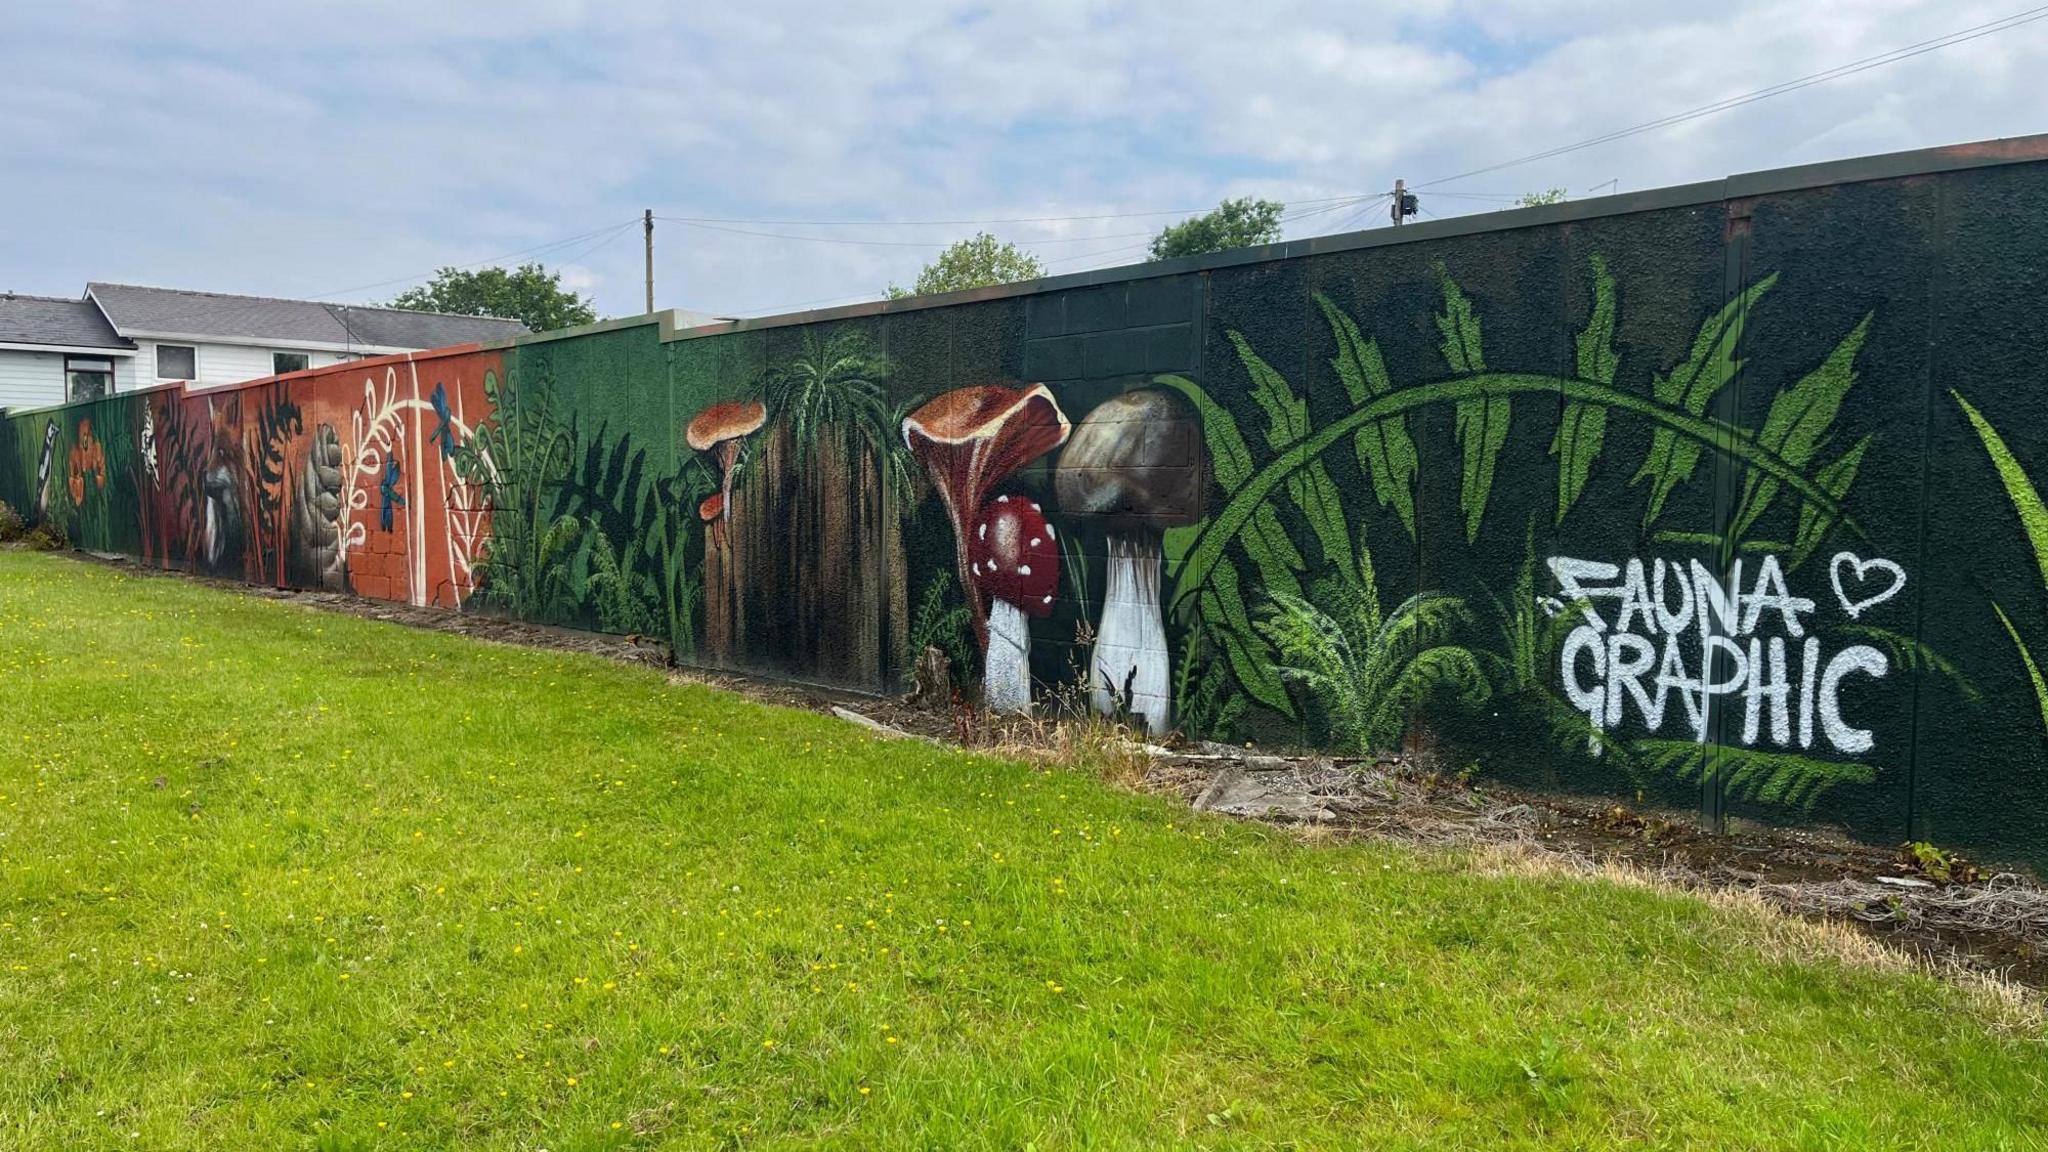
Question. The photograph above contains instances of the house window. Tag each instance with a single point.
(88, 377)
(177, 362)
(283, 362)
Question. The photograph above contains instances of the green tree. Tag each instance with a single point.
(1547, 196)
(976, 262)
(529, 294)
(1240, 223)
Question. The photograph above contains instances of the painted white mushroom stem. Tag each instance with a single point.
(1006, 671)
(1130, 643)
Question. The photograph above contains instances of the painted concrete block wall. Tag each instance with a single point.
(1728, 500)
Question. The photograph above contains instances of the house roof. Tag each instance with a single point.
(171, 311)
(60, 322)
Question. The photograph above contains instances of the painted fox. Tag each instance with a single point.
(225, 528)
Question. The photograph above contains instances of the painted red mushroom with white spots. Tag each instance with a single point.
(1014, 560)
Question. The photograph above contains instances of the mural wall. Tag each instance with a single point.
(1732, 503)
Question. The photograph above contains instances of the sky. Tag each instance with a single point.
(345, 150)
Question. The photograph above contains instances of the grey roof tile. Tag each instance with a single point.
(53, 320)
(135, 308)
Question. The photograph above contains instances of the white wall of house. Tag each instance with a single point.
(36, 379)
(227, 363)
(32, 379)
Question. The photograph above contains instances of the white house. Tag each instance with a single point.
(119, 337)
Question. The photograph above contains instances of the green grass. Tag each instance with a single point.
(271, 878)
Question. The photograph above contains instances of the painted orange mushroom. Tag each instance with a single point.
(719, 430)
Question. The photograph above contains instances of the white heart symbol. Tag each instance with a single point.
(1863, 568)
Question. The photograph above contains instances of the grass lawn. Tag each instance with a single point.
(271, 878)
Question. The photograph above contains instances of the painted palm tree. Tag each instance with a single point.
(843, 482)
(1369, 668)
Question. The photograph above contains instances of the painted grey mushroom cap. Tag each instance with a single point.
(1136, 461)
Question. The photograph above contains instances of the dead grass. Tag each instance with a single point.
(1779, 936)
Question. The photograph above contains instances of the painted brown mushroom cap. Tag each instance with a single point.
(727, 420)
(1136, 461)
(972, 439)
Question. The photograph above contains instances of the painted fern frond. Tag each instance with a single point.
(1583, 429)
(1481, 421)
(1690, 387)
(1385, 450)
(1799, 422)
(1778, 778)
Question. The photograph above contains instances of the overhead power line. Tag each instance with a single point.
(1962, 36)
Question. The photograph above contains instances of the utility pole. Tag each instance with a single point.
(647, 226)
(1403, 205)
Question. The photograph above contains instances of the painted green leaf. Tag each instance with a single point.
(1251, 661)
(1482, 420)
(2026, 658)
(1798, 424)
(1780, 778)
(1583, 429)
(1460, 327)
(1264, 539)
(1385, 450)
(1835, 477)
(1311, 489)
(1240, 512)
(1693, 385)
(2025, 498)
(1482, 427)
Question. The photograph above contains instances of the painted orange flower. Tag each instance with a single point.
(87, 459)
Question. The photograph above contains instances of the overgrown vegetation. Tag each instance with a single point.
(359, 887)
(12, 527)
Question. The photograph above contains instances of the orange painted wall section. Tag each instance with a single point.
(342, 478)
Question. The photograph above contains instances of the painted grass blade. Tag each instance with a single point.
(1385, 450)
(2027, 658)
(1583, 430)
(1691, 386)
(2025, 498)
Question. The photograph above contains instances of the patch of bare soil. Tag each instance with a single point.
(1945, 909)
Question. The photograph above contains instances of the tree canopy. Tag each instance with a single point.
(1240, 223)
(529, 294)
(976, 262)
(1548, 196)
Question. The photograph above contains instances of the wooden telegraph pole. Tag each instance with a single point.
(647, 226)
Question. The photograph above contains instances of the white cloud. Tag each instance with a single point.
(329, 145)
